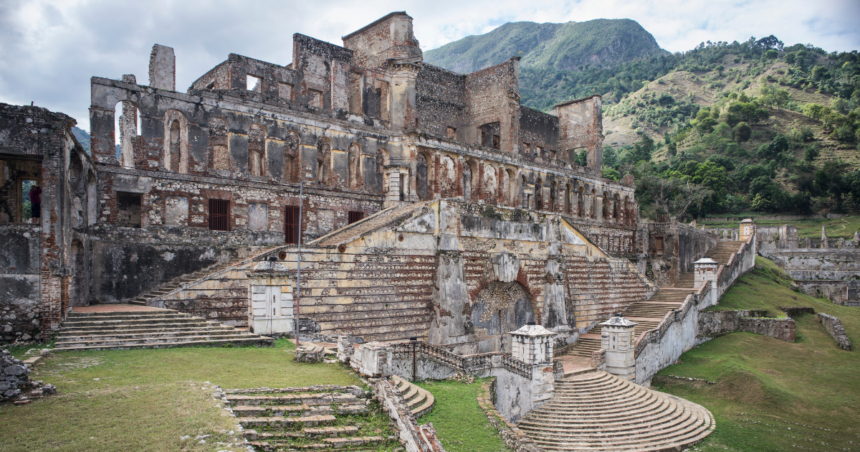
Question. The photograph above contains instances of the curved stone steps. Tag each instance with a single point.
(419, 400)
(597, 411)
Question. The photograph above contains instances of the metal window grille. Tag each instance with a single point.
(355, 216)
(219, 215)
(291, 224)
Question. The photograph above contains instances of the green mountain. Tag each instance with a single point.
(569, 46)
(83, 137)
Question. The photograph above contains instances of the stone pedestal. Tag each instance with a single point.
(705, 271)
(617, 338)
(746, 230)
(532, 344)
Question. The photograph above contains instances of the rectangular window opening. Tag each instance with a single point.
(128, 209)
(219, 215)
(354, 216)
(31, 199)
(285, 91)
(452, 132)
(291, 224)
(254, 83)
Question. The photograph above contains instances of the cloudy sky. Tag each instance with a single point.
(50, 49)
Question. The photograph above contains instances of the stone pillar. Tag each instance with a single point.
(746, 229)
(162, 68)
(393, 195)
(824, 243)
(617, 338)
(705, 272)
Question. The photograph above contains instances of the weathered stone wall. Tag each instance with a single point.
(20, 259)
(38, 144)
(834, 327)
(819, 272)
(581, 128)
(716, 323)
(670, 249)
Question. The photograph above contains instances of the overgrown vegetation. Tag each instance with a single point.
(771, 395)
(459, 421)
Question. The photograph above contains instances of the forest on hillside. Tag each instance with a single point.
(738, 150)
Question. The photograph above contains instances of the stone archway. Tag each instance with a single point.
(499, 308)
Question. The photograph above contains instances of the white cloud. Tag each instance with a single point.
(50, 49)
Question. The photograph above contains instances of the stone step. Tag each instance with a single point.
(213, 332)
(146, 340)
(120, 329)
(122, 314)
(132, 322)
(600, 412)
(281, 410)
(251, 434)
(284, 422)
(245, 341)
(321, 398)
(419, 400)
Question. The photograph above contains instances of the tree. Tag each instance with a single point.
(743, 131)
(810, 154)
(814, 111)
(610, 158)
(581, 158)
(771, 54)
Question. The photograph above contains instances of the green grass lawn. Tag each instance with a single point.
(145, 400)
(836, 227)
(771, 395)
(460, 422)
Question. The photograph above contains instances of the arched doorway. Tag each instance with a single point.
(499, 309)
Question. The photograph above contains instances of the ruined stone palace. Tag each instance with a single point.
(422, 219)
(211, 176)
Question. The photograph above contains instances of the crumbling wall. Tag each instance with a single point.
(441, 107)
(581, 128)
(834, 327)
(20, 260)
(716, 323)
(488, 94)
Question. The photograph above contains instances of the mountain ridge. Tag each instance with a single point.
(563, 46)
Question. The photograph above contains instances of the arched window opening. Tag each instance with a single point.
(615, 217)
(567, 200)
(552, 196)
(175, 146)
(539, 195)
(220, 155)
(324, 161)
(524, 198)
(256, 150)
(421, 177)
(467, 181)
(580, 204)
(291, 157)
(126, 128)
(354, 166)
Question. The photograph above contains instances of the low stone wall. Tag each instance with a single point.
(520, 387)
(511, 435)
(834, 326)
(716, 323)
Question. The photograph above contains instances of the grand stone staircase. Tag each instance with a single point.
(161, 328)
(723, 251)
(647, 314)
(596, 411)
